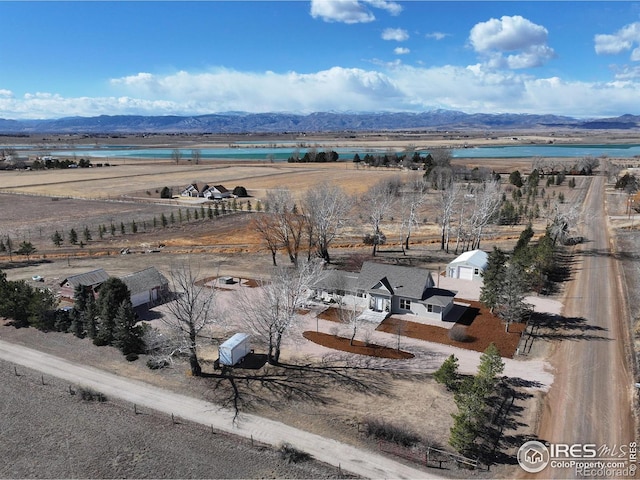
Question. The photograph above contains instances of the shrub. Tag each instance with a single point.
(157, 363)
(89, 395)
(240, 191)
(459, 334)
(131, 357)
(391, 433)
(292, 454)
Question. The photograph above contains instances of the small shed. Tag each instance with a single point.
(234, 350)
(468, 266)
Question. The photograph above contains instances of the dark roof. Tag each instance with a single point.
(220, 188)
(337, 280)
(439, 296)
(89, 279)
(410, 282)
(144, 280)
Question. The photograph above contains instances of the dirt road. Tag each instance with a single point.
(590, 400)
(360, 462)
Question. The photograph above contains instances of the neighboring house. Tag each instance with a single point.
(194, 190)
(217, 192)
(389, 289)
(91, 280)
(148, 286)
(468, 266)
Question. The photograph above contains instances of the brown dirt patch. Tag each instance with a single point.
(330, 314)
(344, 344)
(482, 329)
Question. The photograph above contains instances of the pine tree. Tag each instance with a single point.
(163, 220)
(126, 336)
(195, 215)
(172, 218)
(447, 374)
(209, 212)
(134, 227)
(73, 237)
(492, 278)
(491, 366)
(113, 229)
(258, 206)
(86, 234)
(122, 229)
(216, 210)
(112, 293)
(180, 215)
(57, 239)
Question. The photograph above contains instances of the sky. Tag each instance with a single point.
(89, 58)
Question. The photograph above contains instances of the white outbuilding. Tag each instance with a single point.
(468, 266)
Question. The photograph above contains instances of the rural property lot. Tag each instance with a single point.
(403, 392)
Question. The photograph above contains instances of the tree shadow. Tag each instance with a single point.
(500, 436)
(558, 327)
(276, 386)
(23, 263)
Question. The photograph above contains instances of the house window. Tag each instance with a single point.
(405, 304)
(476, 271)
(429, 308)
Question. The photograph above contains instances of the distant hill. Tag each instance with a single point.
(315, 122)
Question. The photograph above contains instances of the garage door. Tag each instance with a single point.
(465, 273)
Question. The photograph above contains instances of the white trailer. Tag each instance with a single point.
(234, 350)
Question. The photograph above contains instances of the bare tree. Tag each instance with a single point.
(411, 203)
(487, 201)
(196, 155)
(282, 226)
(264, 224)
(377, 202)
(271, 310)
(447, 200)
(176, 155)
(192, 309)
(325, 207)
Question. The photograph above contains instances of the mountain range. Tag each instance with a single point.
(237, 122)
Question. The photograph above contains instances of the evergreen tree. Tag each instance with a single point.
(216, 211)
(180, 215)
(73, 237)
(202, 213)
(112, 293)
(492, 278)
(259, 205)
(113, 230)
(134, 227)
(511, 306)
(188, 214)
(27, 249)
(163, 220)
(122, 229)
(209, 212)
(57, 239)
(172, 218)
(491, 366)
(86, 234)
(224, 208)
(126, 337)
(248, 205)
(447, 374)
(3, 247)
(195, 214)
(9, 246)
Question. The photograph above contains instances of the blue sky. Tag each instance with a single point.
(61, 59)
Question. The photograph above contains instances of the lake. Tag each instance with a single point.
(282, 154)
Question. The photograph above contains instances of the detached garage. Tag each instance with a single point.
(148, 286)
(468, 266)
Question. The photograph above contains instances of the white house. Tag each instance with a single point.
(216, 192)
(468, 266)
(390, 289)
(194, 190)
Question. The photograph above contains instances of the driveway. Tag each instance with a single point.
(360, 462)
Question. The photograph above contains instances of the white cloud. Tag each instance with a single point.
(401, 51)
(397, 34)
(351, 11)
(623, 40)
(436, 35)
(6, 93)
(344, 11)
(495, 38)
(387, 87)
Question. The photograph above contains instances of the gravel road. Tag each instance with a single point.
(591, 399)
(350, 459)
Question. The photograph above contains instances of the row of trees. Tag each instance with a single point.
(473, 397)
(25, 304)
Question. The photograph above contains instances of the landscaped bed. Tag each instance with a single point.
(482, 329)
(344, 344)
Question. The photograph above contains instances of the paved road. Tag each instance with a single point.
(590, 400)
(361, 462)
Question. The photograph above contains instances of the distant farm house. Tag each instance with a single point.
(468, 266)
(200, 189)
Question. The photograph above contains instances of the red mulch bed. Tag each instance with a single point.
(361, 348)
(482, 329)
